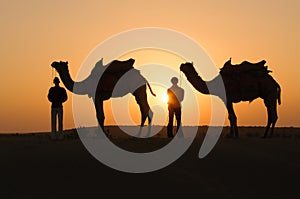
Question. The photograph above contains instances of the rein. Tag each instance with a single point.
(180, 78)
(54, 74)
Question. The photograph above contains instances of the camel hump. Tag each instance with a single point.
(113, 72)
(244, 67)
(117, 66)
(258, 64)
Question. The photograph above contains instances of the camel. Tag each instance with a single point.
(101, 89)
(243, 82)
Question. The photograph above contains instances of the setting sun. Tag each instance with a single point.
(164, 98)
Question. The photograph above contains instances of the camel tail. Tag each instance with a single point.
(151, 89)
(278, 93)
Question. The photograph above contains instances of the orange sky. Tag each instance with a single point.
(35, 33)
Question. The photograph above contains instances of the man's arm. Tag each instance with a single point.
(182, 95)
(50, 95)
(65, 96)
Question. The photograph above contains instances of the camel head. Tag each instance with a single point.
(187, 67)
(60, 66)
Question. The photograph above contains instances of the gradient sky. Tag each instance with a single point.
(35, 33)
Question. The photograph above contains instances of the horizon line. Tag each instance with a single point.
(71, 129)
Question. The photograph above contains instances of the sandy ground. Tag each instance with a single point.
(32, 166)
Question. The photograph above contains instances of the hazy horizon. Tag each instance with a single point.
(160, 126)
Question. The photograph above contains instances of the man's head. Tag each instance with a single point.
(56, 81)
(174, 80)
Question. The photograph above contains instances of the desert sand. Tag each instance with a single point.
(33, 166)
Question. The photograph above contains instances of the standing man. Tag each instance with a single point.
(57, 95)
(175, 97)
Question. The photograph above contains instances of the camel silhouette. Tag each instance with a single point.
(243, 82)
(100, 88)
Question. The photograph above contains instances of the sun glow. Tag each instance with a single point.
(164, 98)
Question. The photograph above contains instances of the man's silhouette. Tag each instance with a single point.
(175, 97)
(57, 95)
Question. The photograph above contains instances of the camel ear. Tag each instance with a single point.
(99, 63)
(192, 63)
(67, 62)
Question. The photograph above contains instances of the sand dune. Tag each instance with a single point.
(33, 166)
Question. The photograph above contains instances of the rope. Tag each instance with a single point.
(53, 73)
(180, 78)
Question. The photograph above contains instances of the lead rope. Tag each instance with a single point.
(180, 84)
(180, 78)
(53, 73)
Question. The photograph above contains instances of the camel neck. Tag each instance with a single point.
(66, 79)
(198, 83)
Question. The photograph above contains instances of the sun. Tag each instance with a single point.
(165, 98)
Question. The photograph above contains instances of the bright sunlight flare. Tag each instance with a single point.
(164, 98)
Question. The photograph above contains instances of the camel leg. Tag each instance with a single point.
(233, 121)
(143, 119)
(267, 129)
(272, 116)
(150, 116)
(146, 112)
(141, 99)
(100, 113)
(272, 129)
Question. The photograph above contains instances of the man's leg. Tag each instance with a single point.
(178, 120)
(53, 123)
(170, 124)
(60, 123)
